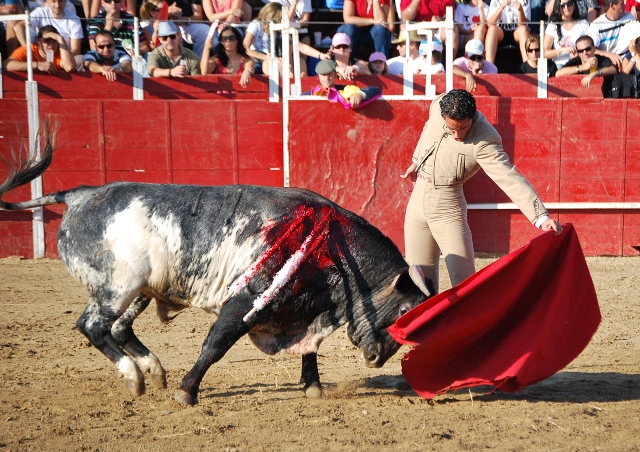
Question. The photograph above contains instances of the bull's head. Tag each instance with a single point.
(368, 328)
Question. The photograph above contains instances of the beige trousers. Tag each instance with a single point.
(436, 220)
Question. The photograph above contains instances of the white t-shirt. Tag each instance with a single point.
(568, 38)
(605, 32)
(302, 6)
(260, 38)
(465, 15)
(508, 19)
(423, 66)
(396, 65)
(69, 27)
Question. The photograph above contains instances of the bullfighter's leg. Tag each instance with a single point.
(122, 331)
(310, 376)
(95, 323)
(223, 334)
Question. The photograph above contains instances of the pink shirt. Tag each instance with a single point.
(463, 63)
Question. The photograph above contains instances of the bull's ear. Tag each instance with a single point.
(417, 276)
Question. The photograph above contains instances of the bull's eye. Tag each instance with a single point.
(403, 310)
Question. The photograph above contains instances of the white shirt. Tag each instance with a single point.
(465, 15)
(568, 38)
(69, 27)
(424, 67)
(260, 38)
(508, 19)
(396, 65)
(605, 32)
(302, 6)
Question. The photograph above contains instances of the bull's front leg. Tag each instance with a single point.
(311, 377)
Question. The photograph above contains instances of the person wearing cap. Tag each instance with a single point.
(428, 11)
(369, 23)
(434, 66)
(396, 64)
(347, 66)
(171, 59)
(456, 142)
(350, 96)
(507, 25)
(378, 64)
(473, 62)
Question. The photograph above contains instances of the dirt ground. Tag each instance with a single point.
(59, 393)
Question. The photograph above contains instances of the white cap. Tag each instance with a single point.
(436, 46)
(474, 47)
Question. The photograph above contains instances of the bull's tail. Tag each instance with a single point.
(22, 172)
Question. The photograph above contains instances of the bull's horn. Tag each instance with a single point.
(417, 276)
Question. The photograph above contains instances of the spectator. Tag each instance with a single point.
(604, 31)
(473, 62)
(435, 65)
(531, 65)
(587, 62)
(187, 13)
(119, 24)
(350, 96)
(299, 12)
(47, 40)
(230, 11)
(126, 6)
(565, 28)
(106, 59)
(378, 64)
(149, 12)
(347, 66)
(396, 65)
(631, 60)
(631, 6)
(471, 20)
(368, 23)
(13, 37)
(427, 11)
(507, 24)
(229, 56)
(171, 59)
(587, 9)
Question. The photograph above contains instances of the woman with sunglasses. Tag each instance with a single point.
(587, 9)
(347, 66)
(149, 12)
(50, 53)
(561, 34)
(533, 53)
(229, 56)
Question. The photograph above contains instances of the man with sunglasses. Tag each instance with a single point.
(587, 62)
(171, 59)
(49, 41)
(473, 62)
(605, 30)
(118, 23)
(106, 59)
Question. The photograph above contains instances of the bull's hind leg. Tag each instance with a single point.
(95, 323)
(122, 331)
(311, 377)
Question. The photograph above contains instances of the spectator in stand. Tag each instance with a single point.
(565, 28)
(118, 23)
(347, 66)
(171, 59)
(299, 12)
(229, 56)
(350, 96)
(587, 62)
(12, 36)
(378, 64)
(126, 6)
(531, 65)
(587, 9)
(368, 23)
(631, 60)
(229, 11)
(632, 6)
(508, 25)
(471, 20)
(473, 62)
(605, 29)
(67, 24)
(396, 64)
(47, 40)
(435, 65)
(428, 11)
(187, 13)
(149, 12)
(106, 59)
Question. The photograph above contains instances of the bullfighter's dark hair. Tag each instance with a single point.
(47, 29)
(458, 104)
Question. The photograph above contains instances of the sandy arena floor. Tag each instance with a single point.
(59, 393)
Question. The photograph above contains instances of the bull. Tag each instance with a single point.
(285, 266)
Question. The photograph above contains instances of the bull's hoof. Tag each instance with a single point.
(313, 391)
(185, 398)
(135, 387)
(159, 381)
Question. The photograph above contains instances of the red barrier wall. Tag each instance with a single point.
(571, 148)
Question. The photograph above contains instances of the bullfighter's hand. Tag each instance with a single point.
(551, 224)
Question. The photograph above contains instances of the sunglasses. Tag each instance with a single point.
(164, 38)
(341, 46)
(537, 49)
(114, 1)
(48, 41)
(569, 4)
(586, 49)
(476, 58)
(230, 38)
(106, 46)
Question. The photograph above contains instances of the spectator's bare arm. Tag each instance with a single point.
(469, 78)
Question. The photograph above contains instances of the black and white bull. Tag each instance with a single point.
(285, 266)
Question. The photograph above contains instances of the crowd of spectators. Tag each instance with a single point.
(178, 38)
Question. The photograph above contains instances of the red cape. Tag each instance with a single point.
(514, 323)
